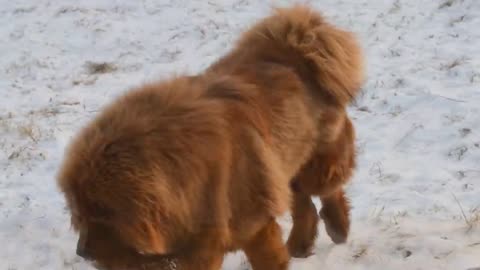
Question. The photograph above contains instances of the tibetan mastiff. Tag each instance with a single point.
(174, 174)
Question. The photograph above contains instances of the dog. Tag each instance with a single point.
(182, 171)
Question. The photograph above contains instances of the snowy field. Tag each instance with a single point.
(416, 192)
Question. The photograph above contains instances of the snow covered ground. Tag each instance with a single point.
(416, 193)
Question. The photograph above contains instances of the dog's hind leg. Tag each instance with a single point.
(304, 230)
(323, 177)
(335, 214)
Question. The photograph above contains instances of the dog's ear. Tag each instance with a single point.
(143, 235)
(154, 243)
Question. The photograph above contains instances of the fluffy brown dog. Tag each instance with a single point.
(199, 166)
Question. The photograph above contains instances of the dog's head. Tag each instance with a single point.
(128, 180)
(118, 203)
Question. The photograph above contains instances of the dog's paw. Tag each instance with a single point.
(299, 249)
(337, 230)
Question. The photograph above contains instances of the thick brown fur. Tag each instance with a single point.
(195, 167)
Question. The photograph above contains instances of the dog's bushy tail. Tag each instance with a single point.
(330, 55)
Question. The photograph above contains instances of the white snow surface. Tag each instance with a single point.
(415, 194)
